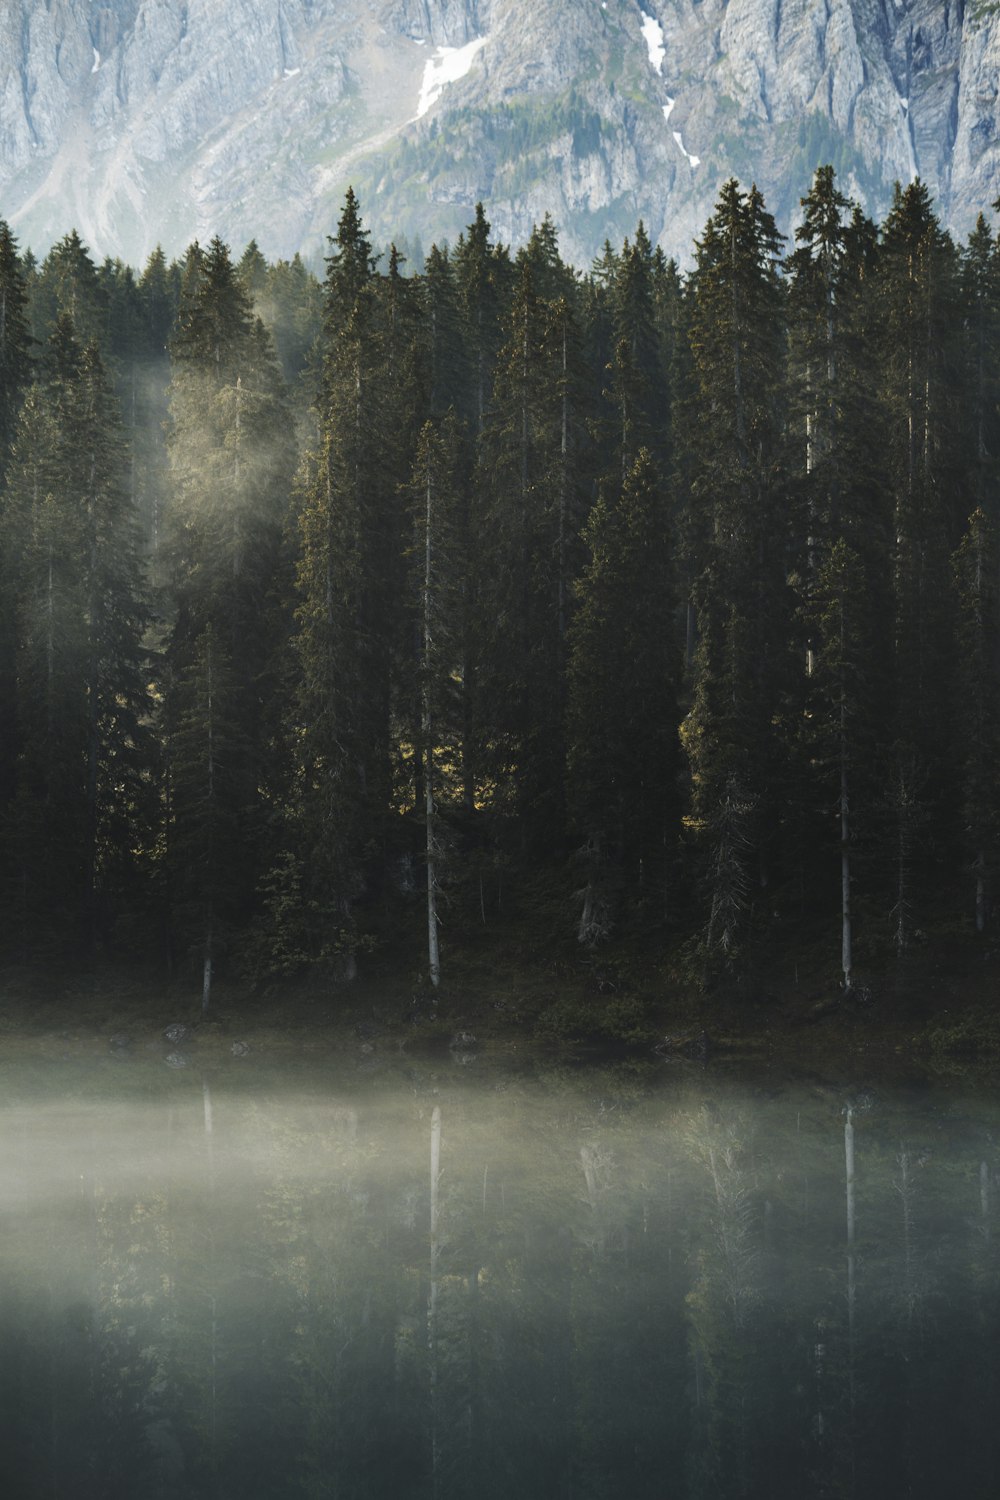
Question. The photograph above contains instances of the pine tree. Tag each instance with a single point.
(740, 667)
(118, 803)
(158, 301)
(252, 271)
(481, 272)
(350, 268)
(41, 545)
(637, 388)
(622, 711)
(211, 792)
(291, 307)
(145, 401)
(833, 376)
(922, 381)
(348, 583)
(15, 340)
(527, 487)
(980, 295)
(976, 568)
(436, 577)
(68, 284)
(15, 377)
(82, 800)
(447, 373)
(841, 537)
(231, 462)
(840, 719)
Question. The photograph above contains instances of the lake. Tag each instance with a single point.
(367, 1275)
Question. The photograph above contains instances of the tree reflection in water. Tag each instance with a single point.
(612, 1282)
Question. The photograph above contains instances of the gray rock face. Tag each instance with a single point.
(141, 121)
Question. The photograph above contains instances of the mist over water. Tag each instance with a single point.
(393, 1277)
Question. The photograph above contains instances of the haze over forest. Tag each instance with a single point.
(665, 603)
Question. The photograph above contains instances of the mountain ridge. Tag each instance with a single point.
(160, 121)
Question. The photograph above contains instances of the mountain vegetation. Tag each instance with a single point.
(333, 613)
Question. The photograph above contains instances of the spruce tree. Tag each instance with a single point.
(15, 377)
(637, 388)
(348, 582)
(976, 568)
(622, 711)
(82, 798)
(291, 308)
(840, 542)
(69, 284)
(46, 731)
(15, 340)
(839, 723)
(435, 582)
(158, 302)
(528, 480)
(980, 296)
(118, 792)
(922, 379)
(447, 372)
(740, 670)
(211, 794)
(231, 462)
(482, 275)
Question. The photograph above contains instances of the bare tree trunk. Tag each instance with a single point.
(93, 728)
(690, 633)
(206, 973)
(206, 967)
(433, 946)
(426, 724)
(819, 1351)
(846, 956)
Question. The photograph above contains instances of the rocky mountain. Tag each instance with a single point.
(140, 121)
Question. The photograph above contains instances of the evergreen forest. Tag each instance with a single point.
(345, 614)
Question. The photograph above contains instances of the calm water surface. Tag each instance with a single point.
(374, 1277)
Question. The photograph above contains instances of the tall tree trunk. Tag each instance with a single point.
(206, 977)
(846, 954)
(90, 847)
(427, 731)
(206, 968)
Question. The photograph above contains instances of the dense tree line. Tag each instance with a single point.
(671, 597)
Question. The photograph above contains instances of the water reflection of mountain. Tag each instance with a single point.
(609, 1284)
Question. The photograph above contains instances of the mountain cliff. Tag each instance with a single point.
(162, 120)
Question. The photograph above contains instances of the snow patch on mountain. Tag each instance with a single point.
(652, 35)
(694, 160)
(448, 65)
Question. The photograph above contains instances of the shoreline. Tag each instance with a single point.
(936, 1015)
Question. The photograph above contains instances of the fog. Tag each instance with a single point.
(376, 1275)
